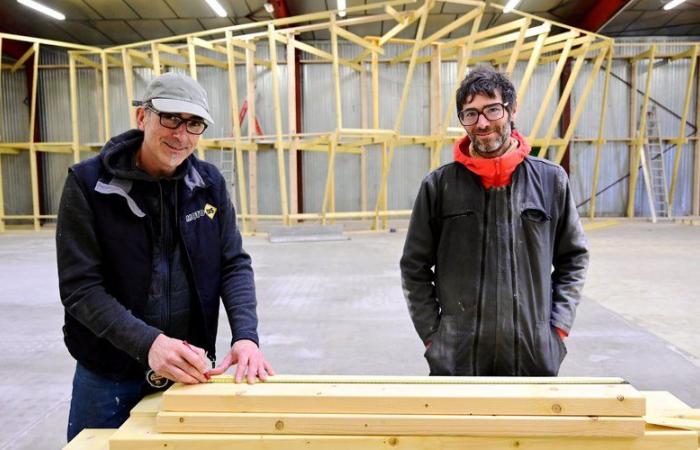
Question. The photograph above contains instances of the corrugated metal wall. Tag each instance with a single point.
(15, 128)
(410, 163)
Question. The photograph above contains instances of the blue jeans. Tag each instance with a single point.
(100, 402)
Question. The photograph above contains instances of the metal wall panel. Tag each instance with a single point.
(15, 128)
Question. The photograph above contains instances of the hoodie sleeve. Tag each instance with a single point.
(418, 260)
(80, 281)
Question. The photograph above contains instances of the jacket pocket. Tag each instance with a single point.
(449, 345)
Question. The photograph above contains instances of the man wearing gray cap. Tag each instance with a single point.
(146, 244)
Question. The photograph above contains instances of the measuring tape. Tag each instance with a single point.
(383, 379)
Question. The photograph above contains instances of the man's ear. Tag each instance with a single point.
(140, 118)
(513, 111)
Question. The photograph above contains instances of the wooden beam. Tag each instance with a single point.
(2, 137)
(73, 94)
(105, 95)
(345, 34)
(551, 87)
(252, 156)
(281, 164)
(398, 424)
(447, 29)
(531, 65)
(33, 167)
(581, 103)
(560, 400)
(517, 47)
(155, 54)
(30, 51)
(639, 147)
(695, 208)
(292, 126)
(86, 61)
(681, 131)
(601, 134)
(233, 103)
(129, 80)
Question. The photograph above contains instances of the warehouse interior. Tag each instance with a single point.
(327, 119)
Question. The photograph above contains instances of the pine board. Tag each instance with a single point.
(617, 400)
(140, 433)
(405, 425)
(91, 439)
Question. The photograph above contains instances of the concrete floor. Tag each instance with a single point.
(337, 308)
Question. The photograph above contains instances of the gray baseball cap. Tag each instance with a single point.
(176, 93)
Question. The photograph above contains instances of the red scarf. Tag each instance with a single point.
(494, 172)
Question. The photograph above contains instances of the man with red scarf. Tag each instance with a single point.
(495, 256)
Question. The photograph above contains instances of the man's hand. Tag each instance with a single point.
(178, 361)
(251, 362)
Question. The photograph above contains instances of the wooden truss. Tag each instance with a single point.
(467, 41)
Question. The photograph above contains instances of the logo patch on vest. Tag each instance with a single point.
(210, 210)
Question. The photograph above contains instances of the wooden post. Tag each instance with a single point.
(641, 136)
(681, 133)
(364, 119)
(2, 138)
(531, 65)
(553, 83)
(696, 168)
(281, 170)
(129, 79)
(435, 103)
(33, 166)
(233, 102)
(75, 134)
(517, 47)
(155, 56)
(253, 154)
(292, 126)
(581, 102)
(383, 186)
(105, 95)
(192, 62)
(601, 140)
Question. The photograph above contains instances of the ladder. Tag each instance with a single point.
(653, 168)
(227, 168)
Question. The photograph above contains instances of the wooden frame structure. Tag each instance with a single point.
(526, 38)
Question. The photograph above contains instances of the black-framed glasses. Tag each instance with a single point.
(173, 121)
(470, 116)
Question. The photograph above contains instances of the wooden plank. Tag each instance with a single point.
(405, 425)
(601, 140)
(478, 399)
(252, 156)
(33, 166)
(281, 164)
(73, 94)
(24, 58)
(362, 42)
(140, 432)
(91, 439)
(148, 406)
(105, 95)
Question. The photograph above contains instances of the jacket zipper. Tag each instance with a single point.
(484, 245)
(516, 341)
(165, 319)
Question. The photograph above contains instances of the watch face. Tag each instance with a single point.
(155, 380)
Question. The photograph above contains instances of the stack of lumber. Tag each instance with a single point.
(348, 413)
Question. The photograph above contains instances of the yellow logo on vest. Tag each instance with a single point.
(209, 210)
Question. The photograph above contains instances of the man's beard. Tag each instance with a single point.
(491, 148)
